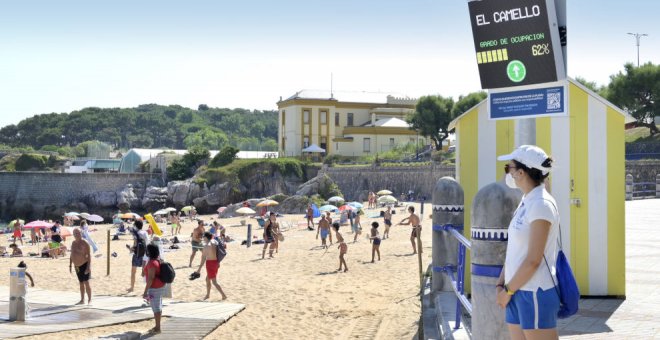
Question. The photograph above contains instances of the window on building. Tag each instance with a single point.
(324, 143)
(283, 117)
(336, 146)
(306, 116)
(305, 141)
(336, 118)
(349, 119)
(323, 117)
(366, 145)
(391, 142)
(283, 143)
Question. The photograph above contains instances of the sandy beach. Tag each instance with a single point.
(297, 294)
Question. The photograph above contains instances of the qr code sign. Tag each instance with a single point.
(554, 100)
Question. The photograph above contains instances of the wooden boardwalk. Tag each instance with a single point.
(51, 312)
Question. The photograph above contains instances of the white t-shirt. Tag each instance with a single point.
(538, 204)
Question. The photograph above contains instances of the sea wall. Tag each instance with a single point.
(36, 195)
(356, 182)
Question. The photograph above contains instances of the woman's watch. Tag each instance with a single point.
(508, 291)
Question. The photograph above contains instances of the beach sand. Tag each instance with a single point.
(297, 294)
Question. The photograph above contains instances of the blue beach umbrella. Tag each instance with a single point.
(357, 205)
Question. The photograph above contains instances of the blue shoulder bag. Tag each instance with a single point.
(566, 286)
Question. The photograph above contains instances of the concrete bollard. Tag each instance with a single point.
(492, 209)
(629, 187)
(17, 292)
(249, 235)
(657, 186)
(447, 211)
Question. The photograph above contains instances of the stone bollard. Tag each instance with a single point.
(492, 209)
(657, 186)
(447, 212)
(629, 187)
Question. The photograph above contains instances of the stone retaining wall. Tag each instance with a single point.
(41, 194)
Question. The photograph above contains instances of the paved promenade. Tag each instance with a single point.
(637, 317)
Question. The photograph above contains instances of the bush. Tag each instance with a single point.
(224, 157)
(279, 197)
(27, 162)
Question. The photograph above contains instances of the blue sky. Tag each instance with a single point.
(59, 56)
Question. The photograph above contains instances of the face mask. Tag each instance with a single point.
(510, 181)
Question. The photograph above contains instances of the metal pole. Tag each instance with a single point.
(107, 265)
(638, 37)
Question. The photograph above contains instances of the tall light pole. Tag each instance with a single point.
(638, 37)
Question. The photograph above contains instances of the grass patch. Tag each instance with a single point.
(641, 135)
(241, 170)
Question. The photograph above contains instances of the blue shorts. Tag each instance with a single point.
(156, 299)
(533, 310)
(324, 233)
(136, 261)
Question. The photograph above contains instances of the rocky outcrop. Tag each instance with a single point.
(127, 199)
(182, 193)
(320, 185)
(293, 205)
(154, 198)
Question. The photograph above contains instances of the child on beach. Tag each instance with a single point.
(375, 239)
(23, 265)
(388, 222)
(343, 248)
(15, 250)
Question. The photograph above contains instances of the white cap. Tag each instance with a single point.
(530, 155)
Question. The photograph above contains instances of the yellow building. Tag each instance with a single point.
(345, 123)
(587, 181)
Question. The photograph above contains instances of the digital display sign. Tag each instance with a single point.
(515, 42)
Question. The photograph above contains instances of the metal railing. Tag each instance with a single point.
(457, 273)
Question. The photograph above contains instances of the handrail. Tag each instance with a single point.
(467, 243)
(458, 280)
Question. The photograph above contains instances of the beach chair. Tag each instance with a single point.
(261, 222)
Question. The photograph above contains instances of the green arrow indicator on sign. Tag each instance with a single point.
(516, 71)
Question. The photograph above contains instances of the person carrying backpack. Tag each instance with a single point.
(212, 254)
(153, 290)
(138, 249)
(526, 288)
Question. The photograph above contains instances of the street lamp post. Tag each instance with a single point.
(638, 37)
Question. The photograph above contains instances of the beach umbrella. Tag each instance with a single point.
(335, 199)
(170, 209)
(69, 214)
(328, 207)
(357, 205)
(384, 192)
(315, 211)
(187, 208)
(347, 207)
(130, 215)
(161, 212)
(38, 224)
(245, 211)
(267, 203)
(85, 215)
(95, 218)
(387, 199)
(12, 223)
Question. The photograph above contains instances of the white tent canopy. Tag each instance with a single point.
(313, 148)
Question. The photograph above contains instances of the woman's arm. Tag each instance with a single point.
(540, 229)
(151, 273)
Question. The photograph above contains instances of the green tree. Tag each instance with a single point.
(224, 157)
(637, 90)
(591, 85)
(432, 117)
(467, 102)
(207, 138)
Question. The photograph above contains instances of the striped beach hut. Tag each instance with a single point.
(588, 179)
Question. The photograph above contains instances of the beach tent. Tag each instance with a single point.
(313, 149)
(315, 211)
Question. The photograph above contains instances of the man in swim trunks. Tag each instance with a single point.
(310, 217)
(81, 259)
(388, 222)
(210, 259)
(324, 230)
(413, 220)
(196, 240)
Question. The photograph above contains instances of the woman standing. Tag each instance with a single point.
(269, 237)
(526, 287)
(85, 234)
(153, 291)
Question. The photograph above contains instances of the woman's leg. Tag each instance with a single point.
(541, 334)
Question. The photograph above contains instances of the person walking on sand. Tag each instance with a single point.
(82, 260)
(329, 220)
(138, 249)
(388, 222)
(272, 220)
(343, 248)
(18, 231)
(310, 217)
(154, 289)
(413, 220)
(375, 239)
(357, 226)
(269, 237)
(85, 234)
(210, 259)
(196, 240)
(324, 230)
(176, 223)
